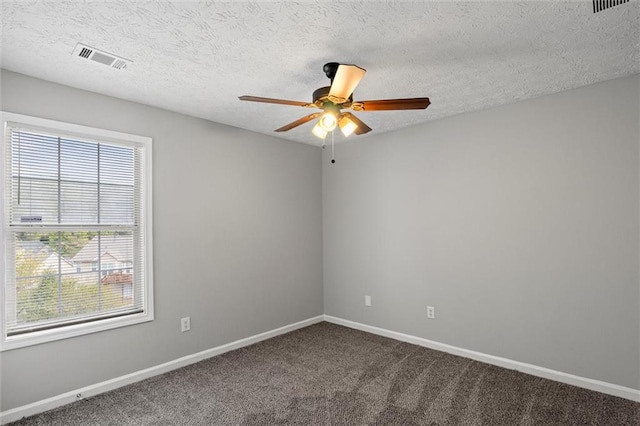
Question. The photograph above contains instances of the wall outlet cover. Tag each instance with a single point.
(431, 312)
(185, 324)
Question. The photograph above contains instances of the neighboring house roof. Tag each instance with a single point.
(43, 255)
(117, 278)
(33, 249)
(52, 261)
(118, 246)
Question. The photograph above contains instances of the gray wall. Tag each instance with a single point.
(237, 241)
(518, 223)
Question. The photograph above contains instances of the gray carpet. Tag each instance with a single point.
(326, 374)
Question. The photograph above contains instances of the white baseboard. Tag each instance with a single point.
(558, 376)
(98, 388)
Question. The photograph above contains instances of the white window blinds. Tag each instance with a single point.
(75, 230)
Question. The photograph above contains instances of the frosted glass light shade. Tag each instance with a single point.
(328, 121)
(319, 131)
(347, 126)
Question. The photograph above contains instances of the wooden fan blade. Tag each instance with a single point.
(346, 79)
(272, 100)
(394, 104)
(362, 128)
(298, 122)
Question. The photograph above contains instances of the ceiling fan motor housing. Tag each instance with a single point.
(321, 97)
(330, 69)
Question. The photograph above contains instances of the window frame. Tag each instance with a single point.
(73, 330)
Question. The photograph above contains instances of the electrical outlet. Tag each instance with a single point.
(367, 301)
(431, 312)
(185, 324)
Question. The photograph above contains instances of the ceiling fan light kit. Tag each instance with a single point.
(329, 119)
(333, 99)
(319, 131)
(347, 125)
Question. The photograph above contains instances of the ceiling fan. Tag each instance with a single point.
(337, 97)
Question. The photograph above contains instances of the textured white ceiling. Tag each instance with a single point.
(198, 57)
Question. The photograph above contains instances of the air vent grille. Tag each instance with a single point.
(85, 53)
(102, 57)
(600, 5)
(119, 64)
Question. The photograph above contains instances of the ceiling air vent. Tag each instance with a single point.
(102, 57)
(600, 5)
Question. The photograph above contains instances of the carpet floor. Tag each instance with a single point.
(327, 374)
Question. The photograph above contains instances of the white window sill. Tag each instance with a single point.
(65, 332)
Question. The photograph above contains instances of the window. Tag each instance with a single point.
(77, 202)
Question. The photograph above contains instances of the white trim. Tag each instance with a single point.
(70, 129)
(88, 133)
(98, 388)
(558, 376)
(67, 331)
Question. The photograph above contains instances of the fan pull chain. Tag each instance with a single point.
(333, 145)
